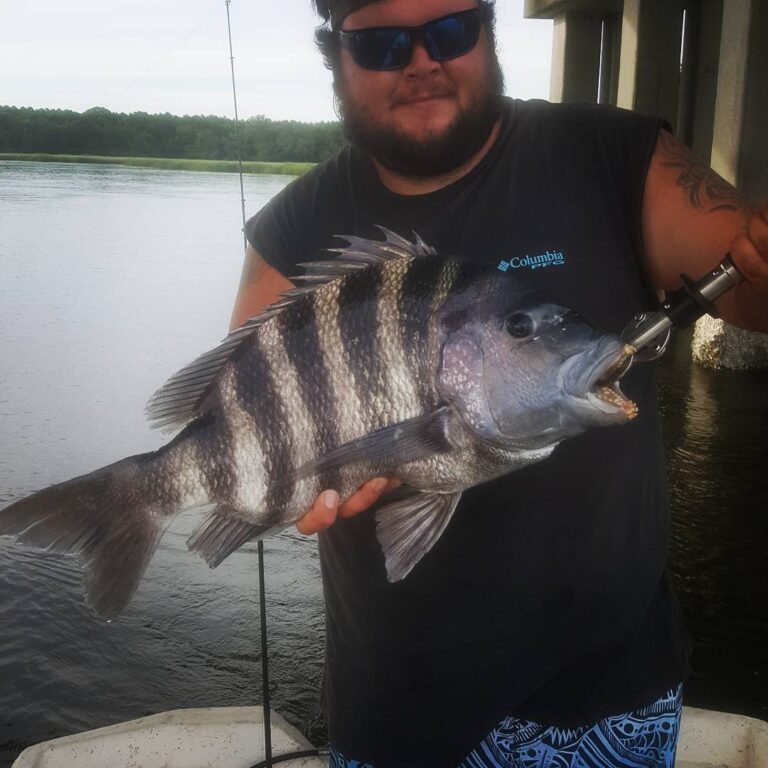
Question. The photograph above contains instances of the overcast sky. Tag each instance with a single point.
(173, 56)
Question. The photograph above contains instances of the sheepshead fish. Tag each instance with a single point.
(388, 360)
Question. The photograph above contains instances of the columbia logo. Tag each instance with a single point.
(548, 259)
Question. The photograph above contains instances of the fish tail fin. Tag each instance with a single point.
(101, 519)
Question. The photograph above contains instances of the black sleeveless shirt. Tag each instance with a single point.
(546, 597)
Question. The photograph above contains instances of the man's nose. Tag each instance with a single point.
(421, 63)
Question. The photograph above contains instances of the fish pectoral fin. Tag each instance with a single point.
(221, 533)
(408, 529)
(396, 444)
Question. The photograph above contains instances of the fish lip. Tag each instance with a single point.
(601, 378)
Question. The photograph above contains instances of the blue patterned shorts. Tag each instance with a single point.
(646, 738)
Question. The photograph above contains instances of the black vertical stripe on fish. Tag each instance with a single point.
(358, 326)
(197, 437)
(419, 287)
(187, 448)
(303, 347)
(216, 460)
(258, 396)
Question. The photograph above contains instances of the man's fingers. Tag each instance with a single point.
(321, 515)
(367, 494)
(757, 229)
(394, 482)
(326, 509)
(364, 496)
(749, 251)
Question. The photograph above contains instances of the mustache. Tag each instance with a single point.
(422, 94)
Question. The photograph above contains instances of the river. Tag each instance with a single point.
(112, 278)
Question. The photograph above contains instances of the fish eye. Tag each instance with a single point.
(519, 325)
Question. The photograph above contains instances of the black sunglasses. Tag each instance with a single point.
(384, 48)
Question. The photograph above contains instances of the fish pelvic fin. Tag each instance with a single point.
(221, 533)
(407, 529)
(99, 520)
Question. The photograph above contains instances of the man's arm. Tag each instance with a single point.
(691, 219)
(260, 286)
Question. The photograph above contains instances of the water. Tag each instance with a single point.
(113, 278)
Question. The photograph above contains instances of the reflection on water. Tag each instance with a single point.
(112, 279)
(716, 426)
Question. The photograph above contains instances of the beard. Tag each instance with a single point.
(436, 154)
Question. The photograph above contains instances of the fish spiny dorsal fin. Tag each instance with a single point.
(179, 400)
(361, 253)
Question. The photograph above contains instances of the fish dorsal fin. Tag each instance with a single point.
(360, 253)
(178, 401)
(408, 529)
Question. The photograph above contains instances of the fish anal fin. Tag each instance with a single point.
(222, 532)
(407, 529)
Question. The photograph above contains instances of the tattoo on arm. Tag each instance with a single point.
(705, 188)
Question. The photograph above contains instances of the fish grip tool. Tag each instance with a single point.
(649, 332)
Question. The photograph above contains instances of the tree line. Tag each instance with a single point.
(98, 131)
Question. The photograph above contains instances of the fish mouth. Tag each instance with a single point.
(599, 385)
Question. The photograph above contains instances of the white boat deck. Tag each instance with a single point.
(222, 737)
(233, 737)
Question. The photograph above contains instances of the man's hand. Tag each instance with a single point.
(326, 509)
(749, 250)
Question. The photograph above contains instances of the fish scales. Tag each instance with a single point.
(358, 325)
(400, 392)
(363, 319)
(174, 476)
(420, 288)
(238, 467)
(347, 399)
(266, 389)
(308, 361)
(395, 361)
(249, 410)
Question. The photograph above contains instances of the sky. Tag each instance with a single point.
(173, 56)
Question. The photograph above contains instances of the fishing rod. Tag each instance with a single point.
(648, 333)
(237, 124)
(269, 759)
(265, 708)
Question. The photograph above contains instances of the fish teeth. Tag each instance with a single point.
(614, 397)
(619, 367)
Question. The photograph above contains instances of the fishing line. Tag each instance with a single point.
(164, 56)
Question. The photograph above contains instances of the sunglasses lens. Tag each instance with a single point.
(391, 47)
(452, 36)
(382, 48)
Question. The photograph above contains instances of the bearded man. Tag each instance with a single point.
(541, 629)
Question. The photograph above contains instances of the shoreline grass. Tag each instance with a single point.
(167, 163)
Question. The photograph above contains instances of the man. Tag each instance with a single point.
(541, 629)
